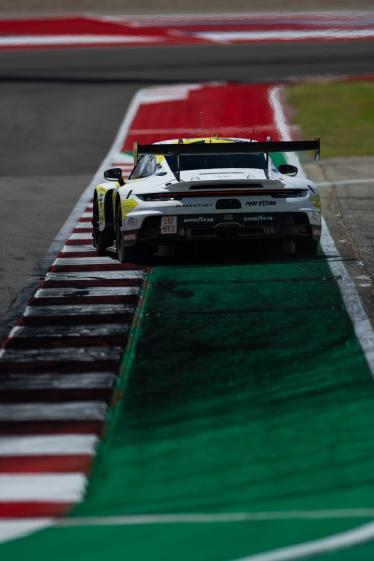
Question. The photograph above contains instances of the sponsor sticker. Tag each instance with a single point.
(132, 222)
(168, 225)
(259, 218)
(260, 203)
(198, 220)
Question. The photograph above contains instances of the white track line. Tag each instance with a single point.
(11, 529)
(360, 321)
(80, 236)
(93, 275)
(75, 410)
(61, 354)
(87, 380)
(215, 518)
(84, 292)
(345, 540)
(90, 330)
(78, 249)
(64, 488)
(65, 40)
(78, 310)
(58, 445)
(85, 261)
(285, 35)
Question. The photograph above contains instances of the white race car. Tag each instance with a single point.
(206, 189)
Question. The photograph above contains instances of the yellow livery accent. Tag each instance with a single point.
(127, 206)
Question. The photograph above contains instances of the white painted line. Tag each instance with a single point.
(75, 410)
(59, 445)
(86, 236)
(62, 40)
(61, 354)
(84, 381)
(11, 529)
(78, 249)
(60, 488)
(85, 261)
(78, 310)
(285, 35)
(352, 301)
(86, 215)
(333, 543)
(90, 330)
(85, 292)
(93, 275)
(345, 182)
(181, 132)
(216, 517)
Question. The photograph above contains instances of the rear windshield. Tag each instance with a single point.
(215, 161)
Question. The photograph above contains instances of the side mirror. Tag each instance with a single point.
(114, 174)
(287, 169)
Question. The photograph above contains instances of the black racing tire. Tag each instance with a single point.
(99, 240)
(124, 254)
(307, 247)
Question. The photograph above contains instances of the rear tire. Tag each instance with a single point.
(124, 254)
(99, 241)
(307, 247)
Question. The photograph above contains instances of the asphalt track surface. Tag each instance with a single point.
(60, 109)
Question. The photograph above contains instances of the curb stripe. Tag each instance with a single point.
(65, 445)
(80, 411)
(46, 464)
(94, 380)
(58, 427)
(55, 488)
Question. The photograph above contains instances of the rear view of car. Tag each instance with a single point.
(210, 189)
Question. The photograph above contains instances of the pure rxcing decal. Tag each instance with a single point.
(260, 203)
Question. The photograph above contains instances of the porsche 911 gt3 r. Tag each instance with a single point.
(206, 189)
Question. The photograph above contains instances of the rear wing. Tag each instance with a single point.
(221, 148)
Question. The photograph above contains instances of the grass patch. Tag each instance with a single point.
(341, 113)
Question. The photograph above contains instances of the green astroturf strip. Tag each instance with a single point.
(249, 391)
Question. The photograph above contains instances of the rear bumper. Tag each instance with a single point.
(279, 225)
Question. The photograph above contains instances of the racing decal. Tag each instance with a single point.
(258, 218)
(133, 222)
(168, 225)
(197, 205)
(260, 203)
(198, 220)
(101, 191)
